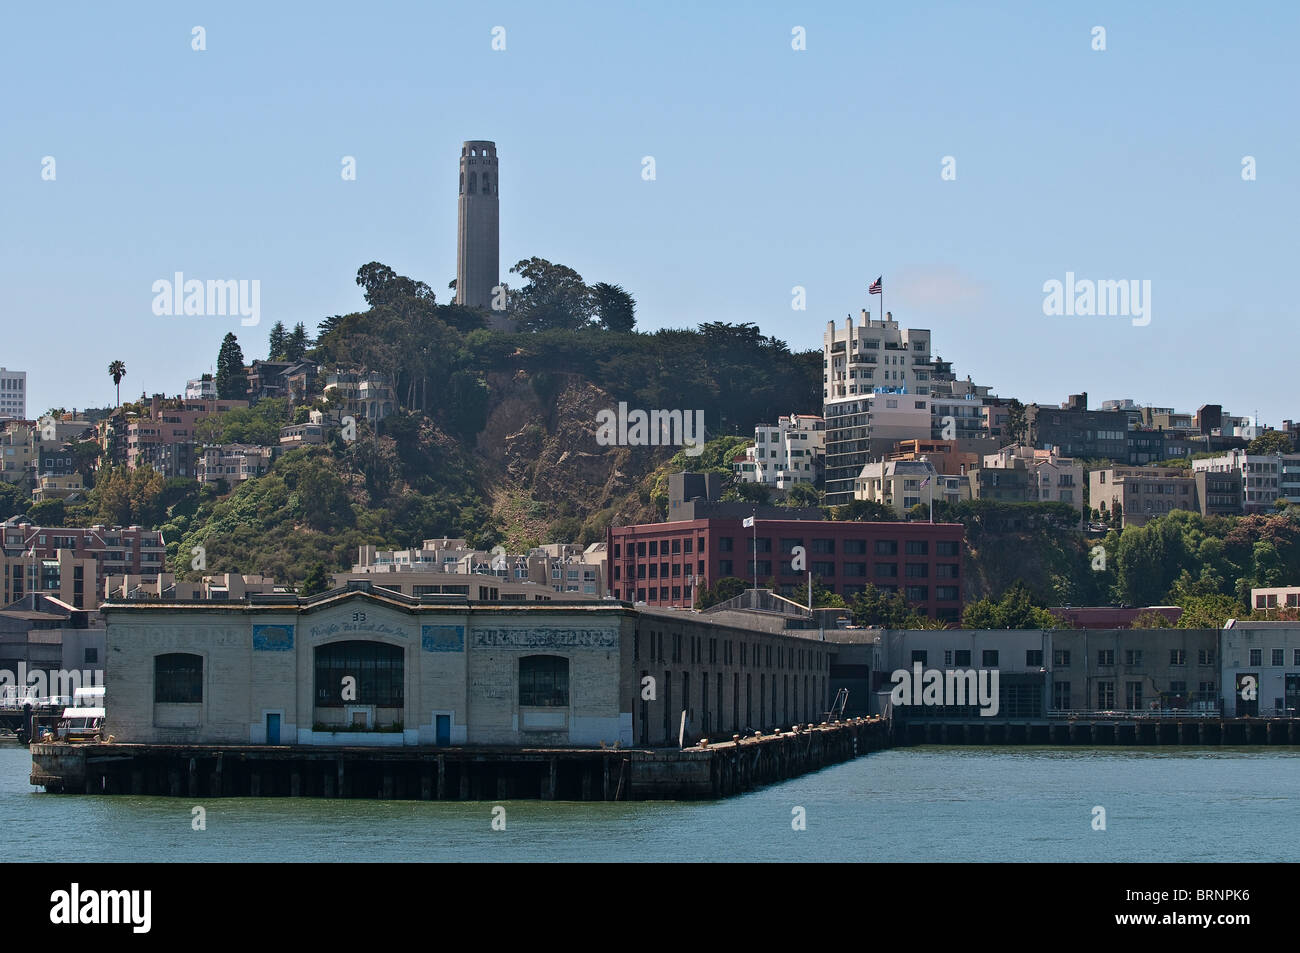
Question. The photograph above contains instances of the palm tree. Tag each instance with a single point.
(117, 370)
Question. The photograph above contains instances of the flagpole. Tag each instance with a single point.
(754, 523)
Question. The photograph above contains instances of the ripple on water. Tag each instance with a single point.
(907, 804)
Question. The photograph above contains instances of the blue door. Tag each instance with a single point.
(273, 729)
(444, 729)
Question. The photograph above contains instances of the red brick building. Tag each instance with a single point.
(664, 564)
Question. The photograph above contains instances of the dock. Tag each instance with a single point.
(1142, 729)
(707, 770)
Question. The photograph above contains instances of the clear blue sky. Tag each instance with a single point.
(775, 168)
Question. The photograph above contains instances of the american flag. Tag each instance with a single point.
(925, 483)
(875, 287)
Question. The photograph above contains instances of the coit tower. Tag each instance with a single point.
(477, 244)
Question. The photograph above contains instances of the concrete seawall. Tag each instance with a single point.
(487, 773)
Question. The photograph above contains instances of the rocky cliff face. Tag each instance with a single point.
(539, 445)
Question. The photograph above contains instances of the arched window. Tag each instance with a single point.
(473, 182)
(177, 678)
(377, 669)
(544, 681)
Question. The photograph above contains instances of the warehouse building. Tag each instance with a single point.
(365, 665)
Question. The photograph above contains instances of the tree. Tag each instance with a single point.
(117, 370)
(258, 425)
(384, 287)
(615, 308)
(871, 606)
(316, 581)
(47, 513)
(823, 598)
(1210, 612)
(866, 511)
(295, 347)
(725, 588)
(1151, 619)
(555, 297)
(13, 500)
(1015, 610)
(123, 497)
(759, 493)
(275, 352)
(1148, 559)
(1017, 421)
(232, 380)
(803, 494)
(1271, 442)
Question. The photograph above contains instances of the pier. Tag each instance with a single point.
(1147, 730)
(712, 770)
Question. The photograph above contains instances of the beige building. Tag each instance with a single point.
(1277, 597)
(365, 667)
(218, 587)
(567, 568)
(53, 486)
(1051, 478)
(948, 456)
(302, 435)
(902, 484)
(61, 574)
(1142, 493)
(17, 450)
(233, 462)
(485, 587)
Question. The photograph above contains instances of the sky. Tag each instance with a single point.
(775, 169)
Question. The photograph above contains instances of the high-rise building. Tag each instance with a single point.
(13, 394)
(877, 391)
(478, 232)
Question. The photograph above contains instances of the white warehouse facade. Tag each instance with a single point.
(365, 666)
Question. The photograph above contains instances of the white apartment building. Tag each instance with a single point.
(13, 395)
(876, 391)
(201, 388)
(794, 451)
(1263, 476)
(1052, 478)
(881, 385)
